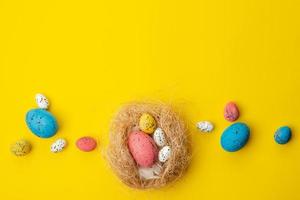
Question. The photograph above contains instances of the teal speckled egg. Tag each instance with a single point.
(283, 135)
(235, 137)
(41, 122)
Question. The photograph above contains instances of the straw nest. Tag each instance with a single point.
(118, 154)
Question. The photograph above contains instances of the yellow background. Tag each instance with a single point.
(90, 57)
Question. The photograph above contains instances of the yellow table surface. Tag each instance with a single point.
(90, 57)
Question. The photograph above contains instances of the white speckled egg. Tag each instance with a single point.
(205, 126)
(21, 148)
(42, 101)
(159, 137)
(58, 145)
(164, 154)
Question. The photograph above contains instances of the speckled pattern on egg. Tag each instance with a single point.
(42, 123)
(41, 101)
(86, 144)
(147, 123)
(231, 112)
(283, 135)
(205, 126)
(58, 145)
(164, 154)
(21, 148)
(235, 137)
(159, 137)
(142, 148)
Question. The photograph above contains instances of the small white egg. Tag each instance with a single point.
(159, 137)
(164, 154)
(205, 126)
(42, 101)
(58, 145)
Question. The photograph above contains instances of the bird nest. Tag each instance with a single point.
(120, 158)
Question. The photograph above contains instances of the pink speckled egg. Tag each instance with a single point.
(142, 148)
(231, 112)
(86, 144)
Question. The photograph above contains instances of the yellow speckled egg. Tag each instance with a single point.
(147, 123)
(21, 148)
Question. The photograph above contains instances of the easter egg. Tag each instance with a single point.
(205, 126)
(283, 135)
(21, 148)
(86, 144)
(142, 148)
(41, 101)
(235, 137)
(231, 112)
(147, 123)
(58, 145)
(41, 122)
(159, 137)
(164, 154)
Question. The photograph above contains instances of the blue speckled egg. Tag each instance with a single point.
(41, 122)
(283, 135)
(235, 137)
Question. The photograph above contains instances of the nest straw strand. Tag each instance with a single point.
(118, 154)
